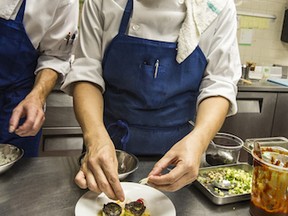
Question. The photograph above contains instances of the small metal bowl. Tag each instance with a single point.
(9, 154)
(127, 163)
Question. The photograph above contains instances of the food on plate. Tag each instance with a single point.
(134, 208)
(238, 177)
(112, 209)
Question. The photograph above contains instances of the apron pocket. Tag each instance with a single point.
(153, 84)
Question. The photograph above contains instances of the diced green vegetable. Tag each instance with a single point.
(242, 178)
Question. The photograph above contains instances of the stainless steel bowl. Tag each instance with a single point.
(127, 163)
(9, 154)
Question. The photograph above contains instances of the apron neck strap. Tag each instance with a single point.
(126, 17)
(20, 14)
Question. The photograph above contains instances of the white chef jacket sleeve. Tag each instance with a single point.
(55, 50)
(223, 70)
(88, 52)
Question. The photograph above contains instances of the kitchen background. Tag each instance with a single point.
(259, 36)
(260, 25)
(260, 32)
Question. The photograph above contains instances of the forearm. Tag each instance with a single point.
(44, 83)
(210, 117)
(88, 107)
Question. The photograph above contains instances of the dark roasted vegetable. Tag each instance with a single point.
(112, 209)
(135, 208)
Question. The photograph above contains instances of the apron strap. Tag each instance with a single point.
(119, 126)
(20, 14)
(126, 17)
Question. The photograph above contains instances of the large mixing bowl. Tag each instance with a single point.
(9, 155)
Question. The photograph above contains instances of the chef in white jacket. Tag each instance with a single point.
(143, 70)
(36, 40)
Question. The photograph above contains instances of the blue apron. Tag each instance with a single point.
(18, 60)
(149, 97)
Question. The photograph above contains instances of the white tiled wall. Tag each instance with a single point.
(266, 47)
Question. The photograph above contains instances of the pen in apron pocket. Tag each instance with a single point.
(73, 38)
(67, 38)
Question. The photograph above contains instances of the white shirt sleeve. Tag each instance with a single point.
(55, 50)
(219, 44)
(90, 47)
(47, 24)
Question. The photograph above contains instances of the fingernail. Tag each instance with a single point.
(122, 199)
(11, 129)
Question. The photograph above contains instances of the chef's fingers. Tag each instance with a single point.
(33, 122)
(107, 176)
(104, 167)
(114, 182)
(80, 180)
(108, 185)
(38, 122)
(162, 164)
(15, 117)
(181, 175)
(184, 180)
(92, 183)
(170, 178)
(87, 180)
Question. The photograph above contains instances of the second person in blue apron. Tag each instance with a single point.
(32, 55)
(144, 70)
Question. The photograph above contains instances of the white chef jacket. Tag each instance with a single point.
(158, 20)
(47, 23)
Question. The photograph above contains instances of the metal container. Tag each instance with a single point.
(269, 195)
(208, 189)
(224, 149)
(127, 163)
(9, 155)
(268, 141)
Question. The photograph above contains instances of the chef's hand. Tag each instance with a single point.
(99, 172)
(185, 156)
(31, 108)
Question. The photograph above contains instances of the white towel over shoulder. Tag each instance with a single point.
(200, 14)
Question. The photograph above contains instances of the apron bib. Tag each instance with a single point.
(149, 97)
(18, 60)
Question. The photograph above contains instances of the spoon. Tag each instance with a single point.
(276, 158)
(224, 184)
(257, 150)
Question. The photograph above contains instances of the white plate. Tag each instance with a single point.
(156, 202)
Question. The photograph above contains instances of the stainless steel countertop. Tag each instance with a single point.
(45, 186)
(261, 86)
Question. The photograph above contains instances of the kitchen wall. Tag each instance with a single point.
(261, 39)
